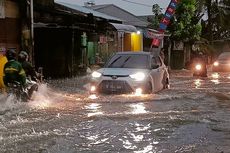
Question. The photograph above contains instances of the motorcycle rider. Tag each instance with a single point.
(201, 59)
(31, 74)
(27, 66)
(13, 71)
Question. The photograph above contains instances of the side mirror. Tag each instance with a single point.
(101, 64)
(155, 66)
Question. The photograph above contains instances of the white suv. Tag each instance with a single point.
(131, 72)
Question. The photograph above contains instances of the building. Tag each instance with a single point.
(10, 25)
(129, 38)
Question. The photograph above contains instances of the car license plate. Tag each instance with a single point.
(113, 86)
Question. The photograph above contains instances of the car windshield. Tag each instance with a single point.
(128, 61)
(224, 56)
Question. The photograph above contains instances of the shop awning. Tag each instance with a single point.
(124, 27)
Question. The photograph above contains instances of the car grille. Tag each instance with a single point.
(114, 86)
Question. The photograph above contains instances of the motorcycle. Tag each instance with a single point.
(200, 69)
(22, 93)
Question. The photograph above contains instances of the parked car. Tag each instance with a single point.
(131, 72)
(222, 63)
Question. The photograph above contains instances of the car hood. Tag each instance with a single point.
(121, 71)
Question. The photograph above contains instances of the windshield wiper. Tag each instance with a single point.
(126, 60)
(110, 65)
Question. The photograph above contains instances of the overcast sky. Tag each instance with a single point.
(136, 7)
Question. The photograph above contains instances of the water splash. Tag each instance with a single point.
(45, 97)
(8, 103)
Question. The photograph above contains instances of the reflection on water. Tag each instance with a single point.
(93, 96)
(197, 83)
(215, 77)
(137, 135)
(146, 149)
(127, 144)
(142, 127)
(94, 109)
(93, 106)
(216, 81)
(138, 108)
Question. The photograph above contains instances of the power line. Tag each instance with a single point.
(138, 3)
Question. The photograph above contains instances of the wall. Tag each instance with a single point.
(127, 42)
(10, 26)
(53, 51)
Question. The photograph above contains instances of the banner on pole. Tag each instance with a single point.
(165, 21)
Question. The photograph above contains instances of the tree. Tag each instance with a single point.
(157, 12)
(185, 25)
(217, 25)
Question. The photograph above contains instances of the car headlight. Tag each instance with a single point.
(215, 63)
(138, 76)
(96, 74)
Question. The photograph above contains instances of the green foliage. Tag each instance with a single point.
(217, 26)
(185, 24)
(157, 12)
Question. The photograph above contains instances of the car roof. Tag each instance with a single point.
(134, 53)
(225, 53)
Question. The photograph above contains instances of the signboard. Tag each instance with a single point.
(166, 19)
(2, 9)
(152, 35)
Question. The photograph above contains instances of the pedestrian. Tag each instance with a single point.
(13, 71)
(3, 61)
(162, 54)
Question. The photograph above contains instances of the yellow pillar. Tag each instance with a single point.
(136, 42)
(3, 61)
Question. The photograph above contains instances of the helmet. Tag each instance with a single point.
(11, 54)
(23, 56)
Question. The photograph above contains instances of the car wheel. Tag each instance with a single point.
(148, 88)
(166, 83)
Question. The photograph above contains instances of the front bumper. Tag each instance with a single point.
(121, 85)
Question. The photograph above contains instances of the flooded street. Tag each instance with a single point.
(192, 116)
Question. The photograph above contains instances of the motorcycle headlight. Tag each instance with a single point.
(198, 67)
(96, 74)
(138, 76)
(215, 63)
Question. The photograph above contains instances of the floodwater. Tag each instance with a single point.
(193, 116)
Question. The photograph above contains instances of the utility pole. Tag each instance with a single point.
(32, 30)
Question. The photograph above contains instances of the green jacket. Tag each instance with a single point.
(13, 71)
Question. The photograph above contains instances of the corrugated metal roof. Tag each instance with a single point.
(87, 11)
(115, 11)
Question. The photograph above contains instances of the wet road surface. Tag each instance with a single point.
(193, 116)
